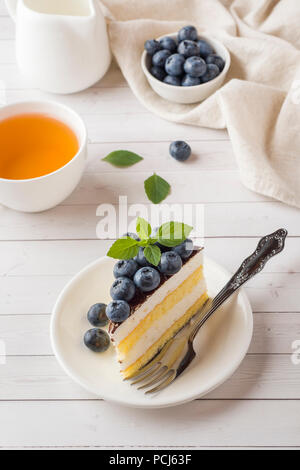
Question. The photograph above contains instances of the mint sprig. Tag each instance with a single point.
(169, 234)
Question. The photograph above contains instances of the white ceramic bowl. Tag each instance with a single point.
(192, 94)
(45, 192)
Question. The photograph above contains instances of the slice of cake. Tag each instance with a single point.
(154, 301)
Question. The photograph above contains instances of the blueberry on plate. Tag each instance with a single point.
(158, 72)
(152, 46)
(205, 48)
(188, 32)
(175, 81)
(188, 48)
(168, 43)
(180, 150)
(140, 258)
(170, 263)
(123, 288)
(125, 267)
(160, 57)
(147, 279)
(131, 235)
(195, 66)
(174, 65)
(217, 60)
(185, 249)
(96, 340)
(211, 73)
(118, 311)
(190, 81)
(97, 315)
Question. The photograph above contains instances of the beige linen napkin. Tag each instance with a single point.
(260, 101)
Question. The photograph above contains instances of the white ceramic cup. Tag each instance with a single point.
(188, 94)
(45, 192)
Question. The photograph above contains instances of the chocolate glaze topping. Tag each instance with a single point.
(140, 297)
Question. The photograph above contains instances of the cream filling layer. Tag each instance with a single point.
(156, 298)
(161, 325)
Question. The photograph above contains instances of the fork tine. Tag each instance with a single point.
(144, 376)
(161, 373)
(154, 361)
(168, 380)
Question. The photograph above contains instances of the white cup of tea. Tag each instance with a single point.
(44, 192)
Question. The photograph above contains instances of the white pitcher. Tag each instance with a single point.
(61, 45)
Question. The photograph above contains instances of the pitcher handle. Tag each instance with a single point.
(12, 8)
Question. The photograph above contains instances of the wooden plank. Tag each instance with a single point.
(207, 155)
(94, 100)
(269, 292)
(77, 222)
(28, 334)
(10, 73)
(7, 51)
(199, 423)
(67, 257)
(41, 378)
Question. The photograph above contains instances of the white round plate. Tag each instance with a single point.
(221, 344)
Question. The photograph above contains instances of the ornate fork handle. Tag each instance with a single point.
(269, 246)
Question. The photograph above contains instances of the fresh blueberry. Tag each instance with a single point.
(180, 150)
(174, 65)
(175, 81)
(97, 315)
(118, 311)
(131, 235)
(147, 279)
(190, 81)
(140, 258)
(185, 249)
(168, 43)
(152, 46)
(170, 263)
(158, 73)
(125, 267)
(122, 289)
(195, 66)
(205, 48)
(188, 48)
(160, 57)
(188, 32)
(211, 73)
(217, 60)
(97, 340)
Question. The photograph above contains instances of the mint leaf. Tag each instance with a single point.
(173, 233)
(157, 189)
(152, 254)
(143, 228)
(122, 158)
(124, 248)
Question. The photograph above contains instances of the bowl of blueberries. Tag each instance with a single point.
(185, 67)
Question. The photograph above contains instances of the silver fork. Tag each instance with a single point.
(178, 352)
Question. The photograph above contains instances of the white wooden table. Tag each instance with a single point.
(39, 405)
